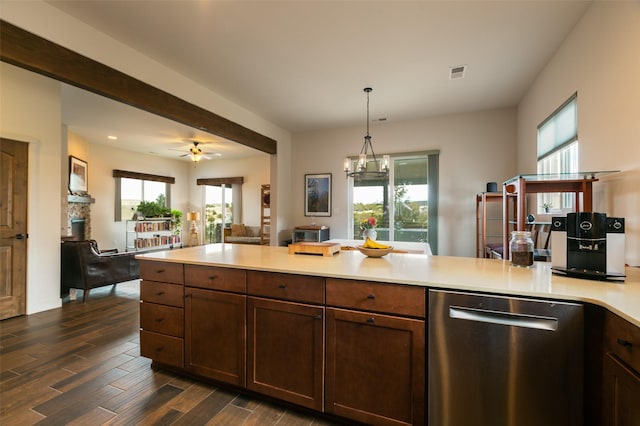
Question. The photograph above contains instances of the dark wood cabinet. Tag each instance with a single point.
(215, 335)
(161, 312)
(375, 361)
(285, 357)
(621, 372)
(375, 368)
(214, 278)
(621, 393)
(297, 288)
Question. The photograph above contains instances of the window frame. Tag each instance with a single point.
(142, 177)
(433, 159)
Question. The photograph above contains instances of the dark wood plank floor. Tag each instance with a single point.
(80, 365)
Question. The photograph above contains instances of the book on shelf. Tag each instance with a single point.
(164, 225)
(156, 241)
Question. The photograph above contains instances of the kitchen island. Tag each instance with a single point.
(297, 327)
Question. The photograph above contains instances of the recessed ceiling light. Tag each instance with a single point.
(112, 138)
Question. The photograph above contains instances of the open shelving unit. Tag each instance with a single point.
(516, 189)
(265, 215)
(151, 234)
(488, 223)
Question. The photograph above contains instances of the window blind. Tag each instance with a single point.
(559, 129)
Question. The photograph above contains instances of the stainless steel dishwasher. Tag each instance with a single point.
(497, 361)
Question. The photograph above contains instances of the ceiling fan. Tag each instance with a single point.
(196, 153)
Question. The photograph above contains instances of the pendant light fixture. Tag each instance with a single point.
(382, 166)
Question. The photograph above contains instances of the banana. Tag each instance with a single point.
(369, 243)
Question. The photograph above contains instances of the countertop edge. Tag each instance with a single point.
(595, 292)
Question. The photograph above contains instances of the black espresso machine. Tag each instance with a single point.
(588, 245)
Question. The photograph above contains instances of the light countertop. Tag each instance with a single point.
(446, 272)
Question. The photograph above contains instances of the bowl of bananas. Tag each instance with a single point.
(372, 248)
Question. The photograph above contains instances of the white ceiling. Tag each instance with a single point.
(303, 64)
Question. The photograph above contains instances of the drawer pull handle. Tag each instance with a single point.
(160, 293)
(318, 317)
(160, 271)
(371, 320)
(371, 296)
(213, 277)
(625, 343)
(160, 349)
(159, 319)
(282, 286)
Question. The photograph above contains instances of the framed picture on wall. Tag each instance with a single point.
(77, 175)
(317, 194)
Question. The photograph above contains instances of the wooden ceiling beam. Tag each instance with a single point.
(26, 50)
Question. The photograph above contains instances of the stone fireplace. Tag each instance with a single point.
(79, 217)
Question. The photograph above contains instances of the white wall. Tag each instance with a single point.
(600, 60)
(475, 148)
(30, 112)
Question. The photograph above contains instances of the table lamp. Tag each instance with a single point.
(194, 240)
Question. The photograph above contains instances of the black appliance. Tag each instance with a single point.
(588, 245)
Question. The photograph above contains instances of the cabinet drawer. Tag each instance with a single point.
(298, 288)
(161, 271)
(622, 339)
(214, 278)
(161, 348)
(369, 296)
(162, 293)
(162, 319)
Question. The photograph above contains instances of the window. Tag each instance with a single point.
(132, 188)
(404, 204)
(558, 152)
(218, 211)
(223, 205)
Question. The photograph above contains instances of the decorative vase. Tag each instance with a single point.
(371, 233)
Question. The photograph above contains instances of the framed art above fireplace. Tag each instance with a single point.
(77, 175)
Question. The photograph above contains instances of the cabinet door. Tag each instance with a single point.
(215, 335)
(375, 368)
(621, 393)
(285, 351)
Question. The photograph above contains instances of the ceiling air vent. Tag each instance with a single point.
(457, 72)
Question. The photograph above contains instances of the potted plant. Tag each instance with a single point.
(156, 208)
(547, 206)
(176, 218)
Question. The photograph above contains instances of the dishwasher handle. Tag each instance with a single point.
(503, 318)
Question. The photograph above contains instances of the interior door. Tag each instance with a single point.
(13, 227)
